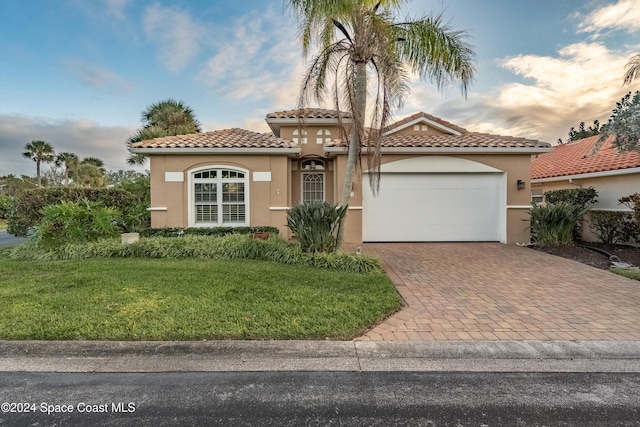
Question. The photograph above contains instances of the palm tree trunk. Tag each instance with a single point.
(360, 88)
(38, 173)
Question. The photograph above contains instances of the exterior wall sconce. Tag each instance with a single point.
(520, 184)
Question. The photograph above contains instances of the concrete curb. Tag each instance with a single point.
(214, 356)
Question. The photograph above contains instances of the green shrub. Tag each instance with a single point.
(76, 222)
(206, 231)
(316, 224)
(5, 206)
(580, 197)
(554, 224)
(633, 202)
(232, 246)
(613, 227)
(26, 210)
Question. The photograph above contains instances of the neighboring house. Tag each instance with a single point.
(612, 173)
(439, 182)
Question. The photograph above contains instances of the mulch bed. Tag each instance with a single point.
(628, 254)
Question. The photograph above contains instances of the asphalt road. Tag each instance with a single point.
(322, 398)
(7, 239)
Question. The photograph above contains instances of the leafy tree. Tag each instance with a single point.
(88, 174)
(69, 161)
(361, 40)
(164, 118)
(12, 185)
(581, 133)
(39, 152)
(624, 123)
(633, 69)
(117, 177)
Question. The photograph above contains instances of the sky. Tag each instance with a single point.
(78, 73)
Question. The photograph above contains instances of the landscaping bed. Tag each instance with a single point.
(576, 252)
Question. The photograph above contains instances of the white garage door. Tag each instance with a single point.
(433, 207)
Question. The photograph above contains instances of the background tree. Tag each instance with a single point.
(581, 133)
(69, 161)
(624, 123)
(633, 69)
(164, 118)
(119, 176)
(89, 175)
(39, 152)
(361, 41)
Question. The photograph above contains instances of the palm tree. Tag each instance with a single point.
(69, 161)
(39, 151)
(633, 69)
(93, 161)
(359, 39)
(164, 118)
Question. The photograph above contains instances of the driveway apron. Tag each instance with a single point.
(491, 291)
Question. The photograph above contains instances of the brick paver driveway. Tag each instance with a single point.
(490, 291)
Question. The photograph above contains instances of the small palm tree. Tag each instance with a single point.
(361, 40)
(633, 69)
(69, 161)
(39, 152)
(164, 118)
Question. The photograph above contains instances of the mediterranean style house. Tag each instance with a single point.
(439, 182)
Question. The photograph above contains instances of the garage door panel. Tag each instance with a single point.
(433, 207)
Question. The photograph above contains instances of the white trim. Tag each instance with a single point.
(436, 164)
(174, 177)
(424, 120)
(213, 150)
(261, 177)
(310, 172)
(518, 206)
(450, 150)
(157, 209)
(588, 175)
(279, 208)
(354, 208)
(190, 197)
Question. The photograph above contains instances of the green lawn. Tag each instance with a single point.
(151, 299)
(626, 272)
(3, 224)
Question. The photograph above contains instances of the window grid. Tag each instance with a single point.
(322, 136)
(219, 190)
(312, 187)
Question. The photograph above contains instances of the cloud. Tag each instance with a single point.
(623, 15)
(582, 83)
(259, 59)
(115, 8)
(83, 137)
(97, 77)
(176, 34)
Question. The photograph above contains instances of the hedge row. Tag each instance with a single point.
(232, 246)
(26, 208)
(206, 231)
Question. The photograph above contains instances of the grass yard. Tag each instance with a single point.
(3, 224)
(164, 299)
(627, 272)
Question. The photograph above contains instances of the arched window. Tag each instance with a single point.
(312, 164)
(299, 136)
(322, 136)
(219, 196)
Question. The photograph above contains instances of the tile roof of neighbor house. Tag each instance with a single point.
(419, 115)
(308, 113)
(579, 157)
(466, 140)
(225, 138)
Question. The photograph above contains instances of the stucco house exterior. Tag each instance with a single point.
(439, 182)
(578, 163)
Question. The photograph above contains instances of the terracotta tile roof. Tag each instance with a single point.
(578, 157)
(226, 138)
(467, 140)
(307, 113)
(419, 115)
